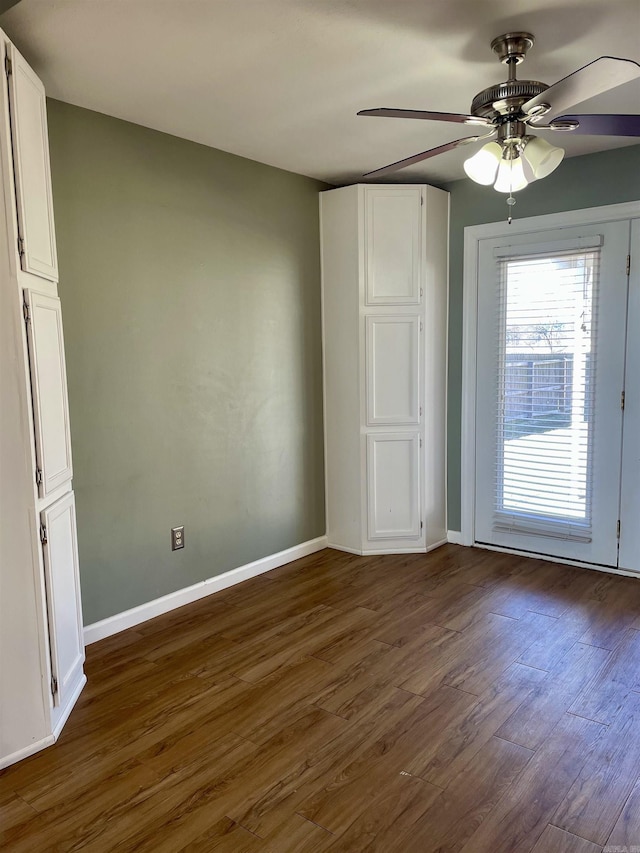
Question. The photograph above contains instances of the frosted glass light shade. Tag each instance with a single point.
(482, 167)
(511, 177)
(542, 157)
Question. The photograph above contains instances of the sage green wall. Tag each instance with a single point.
(609, 177)
(190, 287)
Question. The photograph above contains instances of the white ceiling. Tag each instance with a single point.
(280, 81)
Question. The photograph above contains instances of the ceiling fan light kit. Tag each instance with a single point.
(509, 111)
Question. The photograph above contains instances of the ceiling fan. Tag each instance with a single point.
(510, 110)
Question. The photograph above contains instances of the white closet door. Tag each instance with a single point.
(629, 552)
(32, 169)
(393, 370)
(49, 391)
(63, 596)
(393, 245)
(393, 462)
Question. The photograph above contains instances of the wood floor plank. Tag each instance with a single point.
(456, 814)
(313, 773)
(450, 751)
(554, 840)
(592, 805)
(542, 709)
(392, 812)
(604, 696)
(626, 832)
(541, 786)
(460, 700)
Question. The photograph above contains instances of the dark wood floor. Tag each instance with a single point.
(459, 701)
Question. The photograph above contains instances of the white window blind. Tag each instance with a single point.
(546, 386)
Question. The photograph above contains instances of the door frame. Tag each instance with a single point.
(472, 237)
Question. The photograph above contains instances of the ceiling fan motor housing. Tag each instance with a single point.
(504, 99)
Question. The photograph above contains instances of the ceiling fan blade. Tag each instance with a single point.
(387, 112)
(593, 79)
(597, 125)
(425, 155)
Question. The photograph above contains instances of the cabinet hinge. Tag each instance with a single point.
(618, 529)
(43, 534)
(420, 439)
(21, 246)
(7, 65)
(628, 264)
(421, 525)
(54, 685)
(420, 411)
(38, 476)
(622, 401)
(25, 312)
(421, 325)
(421, 201)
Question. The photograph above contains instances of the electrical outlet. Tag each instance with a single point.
(177, 538)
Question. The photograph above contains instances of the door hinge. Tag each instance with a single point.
(21, 246)
(421, 293)
(421, 525)
(7, 65)
(420, 411)
(421, 325)
(25, 312)
(421, 200)
(43, 534)
(628, 264)
(54, 685)
(622, 401)
(618, 529)
(38, 476)
(420, 441)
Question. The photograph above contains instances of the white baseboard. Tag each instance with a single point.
(7, 760)
(376, 552)
(455, 537)
(129, 618)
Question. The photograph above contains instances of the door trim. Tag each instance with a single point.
(472, 236)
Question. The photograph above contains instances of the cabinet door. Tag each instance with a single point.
(393, 245)
(48, 391)
(393, 485)
(63, 596)
(32, 171)
(393, 370)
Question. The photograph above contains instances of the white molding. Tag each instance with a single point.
(345, 549)
(472, 236)
(34, 747)
(71, 701)
(129, 618)
(454, 537)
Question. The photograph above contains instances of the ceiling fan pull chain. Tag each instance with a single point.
(510, 201)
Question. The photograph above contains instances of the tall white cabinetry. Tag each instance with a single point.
(384, 305)
(41, 642)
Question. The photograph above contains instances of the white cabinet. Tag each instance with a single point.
(32, 171)
(41, 641)
(58, 537)
(49, 391)
(384, 301)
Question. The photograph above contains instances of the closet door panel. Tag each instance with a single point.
(32, 169)
(60, 553)
(393, 480)
(393, 248)
(393, 374)
(49, 391)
